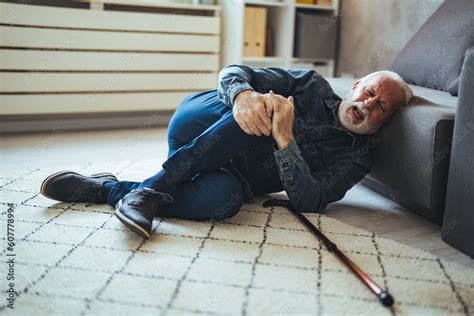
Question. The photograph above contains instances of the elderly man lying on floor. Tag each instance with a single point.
(263, 130)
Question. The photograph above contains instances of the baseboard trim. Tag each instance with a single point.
(83, 121)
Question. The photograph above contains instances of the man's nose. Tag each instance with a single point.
(369, 104)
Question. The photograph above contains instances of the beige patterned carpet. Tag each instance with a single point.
(76, 259)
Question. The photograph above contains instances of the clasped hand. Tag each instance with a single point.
(265, 114)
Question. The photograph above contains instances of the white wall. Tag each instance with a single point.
(373, 32)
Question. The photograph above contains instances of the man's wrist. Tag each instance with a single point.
(242, 94)
(283, 143)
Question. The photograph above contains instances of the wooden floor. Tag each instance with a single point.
(360, 207)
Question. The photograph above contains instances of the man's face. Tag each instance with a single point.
(370, 104)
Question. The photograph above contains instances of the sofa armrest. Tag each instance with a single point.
(458, 222)
(466, 93)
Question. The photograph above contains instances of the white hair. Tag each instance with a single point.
(396, 77)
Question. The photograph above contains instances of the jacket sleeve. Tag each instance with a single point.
(312, 192)
(236, 78)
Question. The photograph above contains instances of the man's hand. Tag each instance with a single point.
(283, 118)
(251, 113)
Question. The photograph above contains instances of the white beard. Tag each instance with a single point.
(347, 122)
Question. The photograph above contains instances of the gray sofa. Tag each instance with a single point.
(458, 224)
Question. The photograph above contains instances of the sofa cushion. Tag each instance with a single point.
(411, 159)
(433, 57)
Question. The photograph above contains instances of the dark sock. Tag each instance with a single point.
(108, 186)
(159, 182)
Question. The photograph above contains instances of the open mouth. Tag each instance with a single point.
(357, 113)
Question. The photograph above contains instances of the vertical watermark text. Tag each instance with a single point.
(10, 257)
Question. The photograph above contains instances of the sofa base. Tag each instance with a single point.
(401, 199)
(461, 247)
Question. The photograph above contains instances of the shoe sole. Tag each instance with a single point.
(129, 223)
(60, 173)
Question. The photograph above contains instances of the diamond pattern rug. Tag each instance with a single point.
(77, 259)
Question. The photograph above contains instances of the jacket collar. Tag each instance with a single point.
(333, 106)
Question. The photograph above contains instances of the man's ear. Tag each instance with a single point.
(355, 84)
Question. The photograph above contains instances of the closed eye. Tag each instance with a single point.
(381, 107)
(369, 93)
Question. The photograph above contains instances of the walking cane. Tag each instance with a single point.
(385, 298)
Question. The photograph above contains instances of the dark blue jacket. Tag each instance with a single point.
(322, 162)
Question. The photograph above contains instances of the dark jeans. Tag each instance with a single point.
(203, 137)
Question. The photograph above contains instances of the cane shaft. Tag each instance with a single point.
(342, 257)
(383, 296)
(360, 274)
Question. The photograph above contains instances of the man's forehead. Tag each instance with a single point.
(374, 80)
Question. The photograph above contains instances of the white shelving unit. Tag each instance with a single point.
(281, 18)
(108, 56)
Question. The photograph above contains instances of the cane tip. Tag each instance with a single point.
(386, 299)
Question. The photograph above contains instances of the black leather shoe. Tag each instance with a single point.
(69, 186)
(137, 209)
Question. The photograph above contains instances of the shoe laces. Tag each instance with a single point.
(93, 192)
(151, 197)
